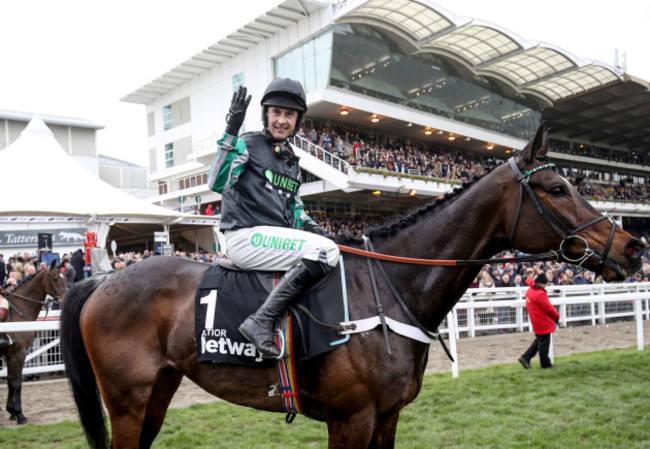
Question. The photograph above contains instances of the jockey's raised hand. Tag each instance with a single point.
(237, 111)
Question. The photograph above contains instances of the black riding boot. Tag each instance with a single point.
(258, 328)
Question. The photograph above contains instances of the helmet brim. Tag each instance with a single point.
(284, 101)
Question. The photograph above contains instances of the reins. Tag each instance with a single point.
(550, 255)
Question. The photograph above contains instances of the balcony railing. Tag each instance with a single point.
(321, 154)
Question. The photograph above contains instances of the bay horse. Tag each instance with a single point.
(25, 303)
(130, 337)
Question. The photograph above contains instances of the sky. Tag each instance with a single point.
(78, 58)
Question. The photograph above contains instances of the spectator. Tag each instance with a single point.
(519, 282)
(19, 268)
(485, 315)
(543, 318)
(30, 272)
(503, 313)
(70, 271)
(5, 340)
(78, 262)
(3, 269)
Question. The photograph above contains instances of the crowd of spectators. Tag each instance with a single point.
(595, 152)
(19, 268)
(622, 191)
(393, 155)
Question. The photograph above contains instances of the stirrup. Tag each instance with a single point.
(278, 332)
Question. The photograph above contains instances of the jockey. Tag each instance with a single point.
(262, 215)
(4, 311)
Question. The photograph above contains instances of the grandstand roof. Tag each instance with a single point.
(588, 99)
(614, 115)
(536, 69)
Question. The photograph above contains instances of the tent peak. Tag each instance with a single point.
(37, 126)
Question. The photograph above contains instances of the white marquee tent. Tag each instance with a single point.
(44, 186)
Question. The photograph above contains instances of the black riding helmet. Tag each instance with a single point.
(285, 93)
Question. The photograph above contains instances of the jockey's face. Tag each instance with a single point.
(281, 122)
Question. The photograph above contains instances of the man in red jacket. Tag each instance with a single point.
(543, 317)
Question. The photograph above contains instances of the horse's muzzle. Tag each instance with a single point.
(634, 250)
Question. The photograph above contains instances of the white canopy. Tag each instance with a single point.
(44, 185)
(41, 178)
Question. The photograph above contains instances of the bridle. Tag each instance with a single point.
(56, 297)
(565, 233)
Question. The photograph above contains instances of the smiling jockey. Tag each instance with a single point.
(262, 215)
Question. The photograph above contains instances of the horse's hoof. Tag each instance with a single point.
(22, 421)
(13, 418)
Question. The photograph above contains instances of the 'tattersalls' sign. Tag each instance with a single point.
(60, 237)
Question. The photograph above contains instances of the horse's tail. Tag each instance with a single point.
(81, 377)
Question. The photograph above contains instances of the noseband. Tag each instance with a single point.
(566, 234)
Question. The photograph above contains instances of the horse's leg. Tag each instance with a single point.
(384, 436)
(126, 391)
(15, 363)
(167, 384)
(127, 409)
(353, 431)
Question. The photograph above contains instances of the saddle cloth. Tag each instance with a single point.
(225, 298)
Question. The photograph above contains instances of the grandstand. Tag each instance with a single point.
(406, 100)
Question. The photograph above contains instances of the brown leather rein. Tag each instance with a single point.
(551, 255)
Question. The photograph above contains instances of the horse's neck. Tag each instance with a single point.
(34, 291)
(467, 227)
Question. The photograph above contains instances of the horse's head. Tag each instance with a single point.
(550, 214)
(56, 284)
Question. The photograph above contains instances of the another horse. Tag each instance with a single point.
(132, 334)
(25, 303)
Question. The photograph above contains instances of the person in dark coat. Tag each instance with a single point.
(3, 269)
(78, 262)
(543, 317)
(70, 272)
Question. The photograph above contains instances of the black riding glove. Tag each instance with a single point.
(237, 111)
(311, 226)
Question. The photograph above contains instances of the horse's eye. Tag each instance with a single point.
(558, 190)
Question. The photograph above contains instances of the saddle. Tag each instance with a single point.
(227, 295)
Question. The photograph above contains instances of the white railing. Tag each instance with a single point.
(479, 311)
(45, 354)
(321, 154)
(485, 310)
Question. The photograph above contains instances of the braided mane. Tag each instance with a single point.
(388, 229)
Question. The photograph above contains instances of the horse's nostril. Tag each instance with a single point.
(634, 249)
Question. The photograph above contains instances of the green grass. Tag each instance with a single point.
(594, 400)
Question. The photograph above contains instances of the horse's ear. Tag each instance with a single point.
(52, 264)
(538, 146)
(60, 265)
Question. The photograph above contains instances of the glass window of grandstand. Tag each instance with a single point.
(167, 117)
(371, 63)
(309, 63)
(169, 155)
